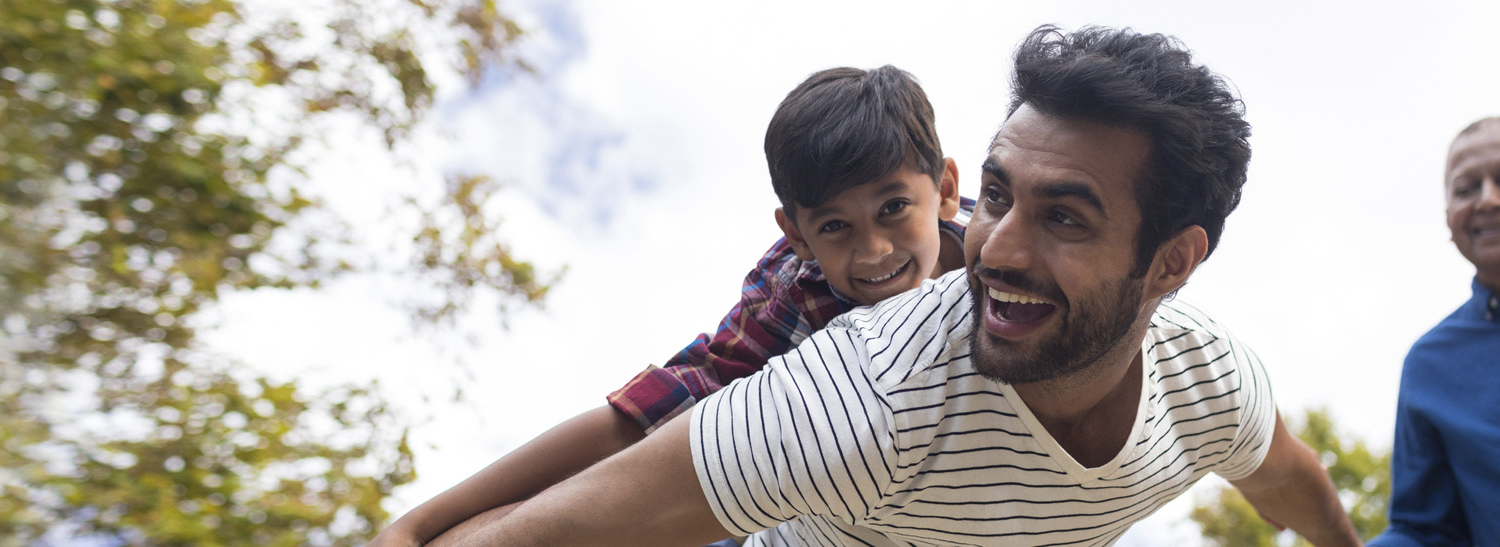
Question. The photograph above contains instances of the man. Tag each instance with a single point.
(1038, 398)
(1445, 470)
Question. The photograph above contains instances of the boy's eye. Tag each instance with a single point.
(831, 226)
(893, 207)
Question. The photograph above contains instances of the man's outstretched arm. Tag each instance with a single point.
(547, 460)
(647, 495)
(1292, 489)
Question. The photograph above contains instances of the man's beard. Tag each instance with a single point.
(1092, 327)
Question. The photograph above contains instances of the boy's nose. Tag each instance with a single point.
(873, 247)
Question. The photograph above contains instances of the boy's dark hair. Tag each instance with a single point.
(844, 127)
(1148, 83)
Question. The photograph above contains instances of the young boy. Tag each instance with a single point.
(870, 209)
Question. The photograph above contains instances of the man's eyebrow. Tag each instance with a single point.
(993, 168)
(1052, 191)
(1077, 190)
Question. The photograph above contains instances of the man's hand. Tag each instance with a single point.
(1291, 488)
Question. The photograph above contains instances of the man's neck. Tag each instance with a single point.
(1091, 414)
(1490, 280)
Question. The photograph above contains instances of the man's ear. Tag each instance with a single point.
(948, 190)
(793, 235)
(1175, 261)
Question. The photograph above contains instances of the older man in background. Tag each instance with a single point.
(1445, 471)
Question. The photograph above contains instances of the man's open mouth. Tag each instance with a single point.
(1019, 308)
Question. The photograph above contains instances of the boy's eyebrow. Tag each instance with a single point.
(816, 213)
(890, 187)
(1054, 190)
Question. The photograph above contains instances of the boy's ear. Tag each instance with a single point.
(948, 190)
(793, 235)
(1175, 261)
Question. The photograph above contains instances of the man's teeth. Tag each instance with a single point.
(1016, 298)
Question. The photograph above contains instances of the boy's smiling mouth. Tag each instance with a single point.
(887, 277)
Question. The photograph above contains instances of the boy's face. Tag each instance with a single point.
(878, 239)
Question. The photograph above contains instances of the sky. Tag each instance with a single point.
(632, 158)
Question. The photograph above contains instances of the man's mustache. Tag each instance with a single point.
(1047, 290)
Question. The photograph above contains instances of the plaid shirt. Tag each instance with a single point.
(783, 301)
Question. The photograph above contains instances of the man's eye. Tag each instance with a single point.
(831, 226)
(1063, 219)
(1464, 188)
(893, 207)
(994, 195)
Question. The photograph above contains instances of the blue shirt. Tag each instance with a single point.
(1445, 470)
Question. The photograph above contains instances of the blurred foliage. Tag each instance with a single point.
(457, 251)
(1363, 480)
(147, 163)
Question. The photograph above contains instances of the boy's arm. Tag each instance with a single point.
(1290, 488)
(552, 457)
(648, 495)
(779, 306)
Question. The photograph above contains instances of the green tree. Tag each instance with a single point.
(148, 163)
(1362, 477)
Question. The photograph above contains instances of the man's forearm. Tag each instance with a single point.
(480, 531)
(547, 460)
(647, 495)
(1306, 501)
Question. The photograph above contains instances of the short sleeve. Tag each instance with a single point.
(1257, 418)
(809, 435)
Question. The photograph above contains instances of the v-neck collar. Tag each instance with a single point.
(1065, 460)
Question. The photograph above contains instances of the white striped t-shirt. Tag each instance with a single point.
(878, 431)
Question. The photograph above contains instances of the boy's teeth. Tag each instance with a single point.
(886, 276)
(1016, 298)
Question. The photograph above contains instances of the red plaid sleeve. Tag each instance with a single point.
(782, 301)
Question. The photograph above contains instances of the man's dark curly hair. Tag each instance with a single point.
(1148, 83)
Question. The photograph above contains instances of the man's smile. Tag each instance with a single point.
(1012, 315)
(1489, 227)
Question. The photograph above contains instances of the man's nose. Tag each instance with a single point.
(1489, 193)
(1008, 245)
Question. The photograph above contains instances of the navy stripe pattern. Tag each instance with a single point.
(877, 431)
